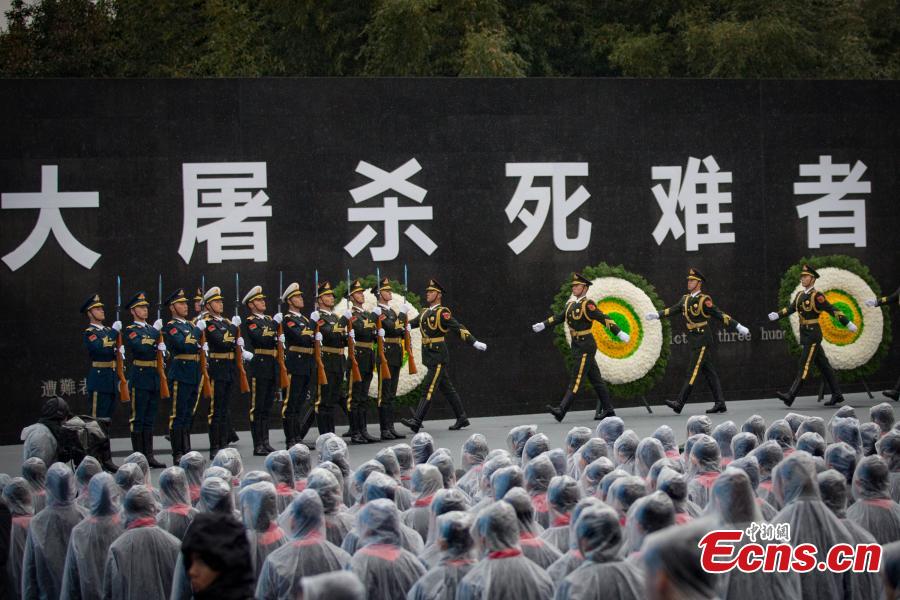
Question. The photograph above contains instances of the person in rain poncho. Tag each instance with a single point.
(335, 451)
(358, 480)
(874, 509)
(624, 449)
(833, 489)
(557, 456)
(666, 437)
(337, 521)
(17, 497)
(516, 438)
(386, 570)
(562, 496)
(593, 474)
(572, 559)
(426, 481)
(230, 459)
(193, 464)
(128, 476)
(811, 443)
(260, 515)
(443, 462)
(888, 448)
(445, 501)
(589, 451)
(743, 444)
(137, 458)
(674, 485)
(768, 455)
(705, 468)
(177, 512)
(340, 585)
(90, 541)
(869, 433)
(847, 431)
(48, 536)
(814, 424)
(34, 471)
(842, 458)
(503, 573)
(810, 522)
(422, 445)
(306, 553)
(602, 575)
(608, 480)
(141, 562)
(733, 505)
(388, 459)
(609, 430)
(538, 475)
(723, 434)
(87, 468)
(649, 450)
(506, 479)
(756, 425)
(536, 549)
(658, 466)
(216, 553)
(404, 455)
(575, 439)
(281, 468)
(302, 463)
(378, 485)
(750, 466)
(698, 424)
(535, 446)
(472, 456)
(455, 560)
(883, 416)
(624, 492)
(672, 567)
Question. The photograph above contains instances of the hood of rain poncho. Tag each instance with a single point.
(137, 458)
(598, 534)
(220, 472)
(666, 437)
(388, 459)
(869, 434)
(379, 523)
(259, 505)
(842, 458)
(781, 432)
(575, 438)
(743, 444)
(498, 462)
(723, 434)
(497, 528)
(103, 495)
(335, 451)
(705, 457)
(521, 503)
(444, 501)
(557, 456)
(658, 466)
(594, 473)
(688, 446)
(608, 480)
(814, 424)
(422, 445)
(215, 496)
(251, 477)
(454, 533)
(139, 503)
(426, 481)
(624, 449)
(505, 479)
(34, 471)
(361, 474)
(888, 448)
(337, 585)
(404, 455)
(474, 451)
(891, 564)
(846, 411)
(769, 454)
(673, 484)
(750, 466)
(60, 485)
(324, 483)
(280, 467)
(733, 500)
(833, 490)
(173, 487)
(883, 416)
(379, 485)
(193, 464)
(649, 450)
(535, 446)
(794, 420)
(847, 431)
(128, 476)
(625, 492)
(563, 494)
(756, 425)
(589, 451)
(871, 480)
(609, 430)
(812, 443)
(516, 438)
(795, 478)
(301, 460)
(17, 496)
(230, 459)
(676, 552)
(87, 468)
(220, 542)
(647, 515)
(444, 463)
(307, 515)
(698, 424)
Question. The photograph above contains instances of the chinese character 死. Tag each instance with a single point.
(48, 388)
(555, 195)
(390, 213)
(846, 214)
(66, 387)
(224, 196)
(697, 189)
(49, 201)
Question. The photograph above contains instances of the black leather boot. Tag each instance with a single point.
(390, 422)
(258, 449)
(718, 407)
(148, 450)
(137, 442)
(176, 438)
(362, 425)
(559, 413)
(384, 425)
(215, 439)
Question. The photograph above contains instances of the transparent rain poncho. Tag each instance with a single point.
(17, 497)
(454, 561)
(698, 424)
(340, 585)
(378, 486)
(532, 545)
(90, 541)
(34, 471)
(445, 501)
(844, 412)
(814, 424)
(516, 438)
(140, 460)
(403, 498)
(255, 476)
(535, 446)
(177, 513)
(750, 466)
(842, 458)
(259, 509)
(609, 430)
(502, 459)
(624, 492)
(624, 449)
(343, 483)
(647, 515)
(219, 472)
(38, 442)
(575, 438)
(337, 521)
(386, 569)
(404, 455)
(768, 455)
(307, 552)
(649, 450)
(723, 434)
(756, 425)
(301, 460)
(193, 464)
(336, 452)
(743, 444)
(658, 466)
(359, 476)
(87, 468)
(281, 468)
(847, 431)
(779, 431)
(426, 481)
(230, 459)
(888, 448)
(883, 416)
(674, 485)
(874, 509)
(869, 434)
(215, 496)
(128, 476)
(562, 496)
(705, 469)
(593, 474)
(444, 463)
(573, 557)
(558, 457)
(666, 437)
(505, 479)
(794, 420)
(48, 536)
(589, 451)
(422, 445)
(811, 443)
(607, 481)
(472, 456)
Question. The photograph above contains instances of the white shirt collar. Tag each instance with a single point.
(324, 311)
(382, 305)
(294, 312)
(141, 323)
(807, 290)
(100, 327)
(695, 292)
(259, 315)
(180, 320)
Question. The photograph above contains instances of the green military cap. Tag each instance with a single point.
(324, 289)
(579, 279)
(808, 270)
(139, 299)
(434, 286)
(696, 274)
(356, 286)
(92, 302)
(176, 296)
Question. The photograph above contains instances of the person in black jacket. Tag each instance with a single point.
(216, 555)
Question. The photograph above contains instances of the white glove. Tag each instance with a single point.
(206, 349)
(852, 326)
(623, 336)
(352, 335)
(408, 327)
(314, 315)
(376, 311)
(381, 333)
(157, 324)
(239, 342)
(318, 336)
(277, 317)
(872, 303)
(161, 347)
(117, 325)
(480, 346)
(773, 316)
(407, 307)
(538, 327)
(652, 316)
(201, 323)
(122, 350)
(236, 321)
(246, 355)
(742, 330)
(281, 339)
(348, 314)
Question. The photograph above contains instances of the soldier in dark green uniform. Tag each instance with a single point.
(808, 304)
(221, 339)
(697, 308)
(182, 340)
(200, 315)
(143, 379)
(333, 331)
(580, 314)
(365, 330)
(297, 412)
(892, 300)
(435, 322)
(264, 377)
(393, 328)
(100, 342)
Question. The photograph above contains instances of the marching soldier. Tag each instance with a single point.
(365, 331)
(393, 326)
(435, 322)
(297, 411)
(580, 314)
(332, 335)
(262, 331)
(221, 338)
(182, 339)
(200, 314)
(808, 304)
(697, 308)
(100, 342)
(143, 379)
(893, 299)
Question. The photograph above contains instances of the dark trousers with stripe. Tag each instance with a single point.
(297, 396)
(810, 354)
(437, 379)
(359, 391)
(144, 404)
(184, 395)
(103, 404)
(701, 362)
(262, 396)
(387, 388)
(328, 395)
(220, 405)
(584, 368)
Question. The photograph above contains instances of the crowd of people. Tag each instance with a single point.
(604, 514)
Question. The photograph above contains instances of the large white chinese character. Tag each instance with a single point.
(390, 213)
(48, 388)
(66, 387)
(224, 196)
(697, 189)
(832, 200)
(49, 200)
(555, 195)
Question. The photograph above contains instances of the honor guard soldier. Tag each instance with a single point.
(333, 331)
(200, 310)
(100, 341)
(143, 378)
(221, 339)
(365, 332)
(579, 315)
(393, 327)
(892, 300)
(262, 333)
(698, 308)
(435, 322)
(297, 412)
(182, 339)
(808, 304)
